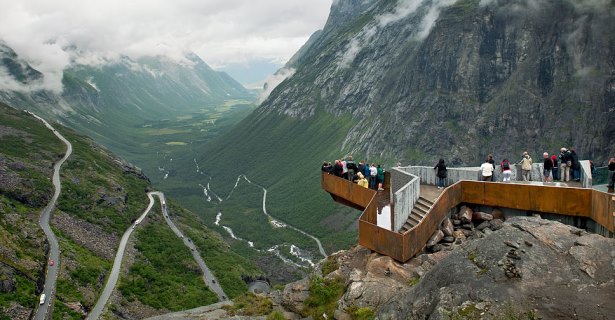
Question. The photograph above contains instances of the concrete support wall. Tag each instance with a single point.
(405, 190)
(586, 174)
(427, 175)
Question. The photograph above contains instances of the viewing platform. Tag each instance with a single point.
(399, 221)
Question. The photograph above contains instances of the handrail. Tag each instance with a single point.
(588, 203)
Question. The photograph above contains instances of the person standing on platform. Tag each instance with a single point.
(380, 177)
(611, 167)
(441, 171)
(576, 165)
(547, 167)
(506, 170)
(555, 167)
(564, 165)
(373, 176)
(526, 166)
(486, 170)
(492, 161)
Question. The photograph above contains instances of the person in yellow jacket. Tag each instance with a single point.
(362, 181)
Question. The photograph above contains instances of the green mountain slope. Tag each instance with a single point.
(101, 196)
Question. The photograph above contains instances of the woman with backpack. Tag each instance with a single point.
(441, 173)
(506, 171)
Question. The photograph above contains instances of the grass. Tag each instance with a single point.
(97, 189)
(365, 313)
(164, 275)
(324, 294)
(250, 304)
(329, 265)
(86, 272)
(227, 266)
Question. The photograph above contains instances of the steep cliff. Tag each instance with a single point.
(460, 79)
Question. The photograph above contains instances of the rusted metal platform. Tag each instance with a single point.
(538, 197)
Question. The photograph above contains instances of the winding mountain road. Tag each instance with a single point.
(54, 252)
(208, 276)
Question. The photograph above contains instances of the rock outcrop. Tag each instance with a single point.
(529, 267)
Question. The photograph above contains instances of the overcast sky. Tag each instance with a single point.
(222, 32)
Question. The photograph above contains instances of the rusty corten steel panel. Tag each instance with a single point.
(502, 195)
(472, 192)
(347, 190)
(381, 240)
(603, 206)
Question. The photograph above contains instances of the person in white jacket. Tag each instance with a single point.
(487, 170)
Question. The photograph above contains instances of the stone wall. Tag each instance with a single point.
(405, 190)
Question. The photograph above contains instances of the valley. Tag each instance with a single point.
(236, 171)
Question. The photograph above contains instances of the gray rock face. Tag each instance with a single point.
(530, 266)
(463, 80)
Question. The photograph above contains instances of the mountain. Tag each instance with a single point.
(415, 81)
(109, 99)
(101, 196)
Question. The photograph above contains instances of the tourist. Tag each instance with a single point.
(441, 171)
(526, 166)
(326, 167)
(547, 167)
(564, 165)
(338, 169)
(576, 165)
(380, 177)
(492, 161)
(362, 181)
(366, 171)
(373, 176)
(611, 167)
(487, 170)
(361, 166)
(506, 170)
(352, 167)
(344, 169)
(555, 167)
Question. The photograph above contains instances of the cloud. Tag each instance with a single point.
(403, 9)
(274, 80)
(220, 31)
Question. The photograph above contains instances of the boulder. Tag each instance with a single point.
(496, 224)
(435, 238)
(481, 216)
(498, 214)
(483, 225)
(447, 227)
(459, 235)
(465, 214)
(450, 239)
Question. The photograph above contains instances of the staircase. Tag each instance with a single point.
(421, 207)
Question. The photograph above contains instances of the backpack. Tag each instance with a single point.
(506, 166)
